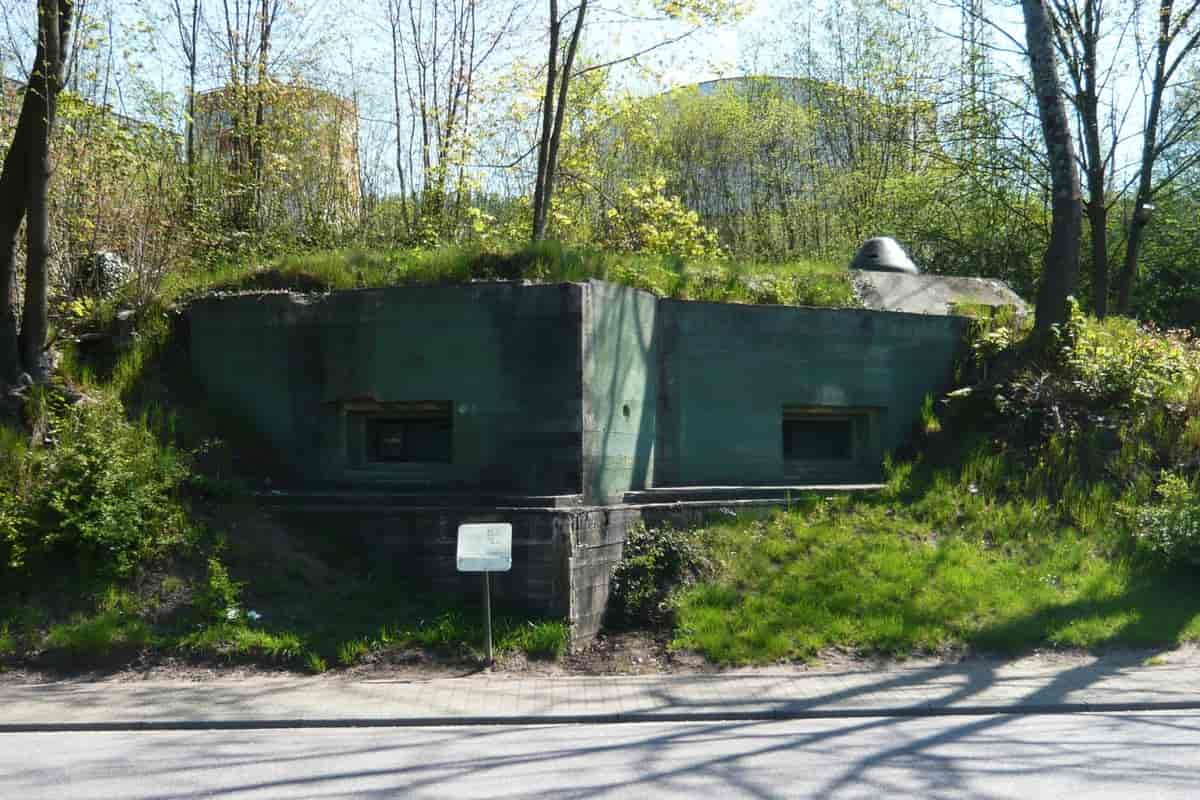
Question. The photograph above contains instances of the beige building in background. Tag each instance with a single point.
(309, 147)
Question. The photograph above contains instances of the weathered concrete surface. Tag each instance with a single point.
(729, 370)
(931, 294)
(620, 389)
(572, 388)
(507, 356)
(563, 556)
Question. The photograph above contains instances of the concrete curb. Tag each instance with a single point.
(776, 715)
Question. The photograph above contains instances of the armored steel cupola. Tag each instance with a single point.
(883, 254)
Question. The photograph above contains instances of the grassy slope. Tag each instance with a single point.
(880, 576)
(1025, 527)
(318, 608)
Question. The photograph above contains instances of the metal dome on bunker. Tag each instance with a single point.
(883, 254)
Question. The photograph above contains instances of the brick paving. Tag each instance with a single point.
(1037, 684)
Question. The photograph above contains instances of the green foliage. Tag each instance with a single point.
(993, 330)
(233, 641)
(87, 639)
(116, 628)
(352, 651)
(807, 283)
(952, 570)
(655, 563)
(1112, 402)
(1170, 526)
(1119, 363)
(648, 221)
(930, 423)
(98, 495)
(544, 640)
(216, 600)
(8, 641)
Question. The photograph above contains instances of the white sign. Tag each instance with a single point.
(485, 547)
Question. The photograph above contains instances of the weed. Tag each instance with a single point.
(539, 640)
(235, 642)
(352, 651)
(92, 638)
(216, 599)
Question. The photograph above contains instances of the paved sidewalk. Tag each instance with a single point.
(1038, 684)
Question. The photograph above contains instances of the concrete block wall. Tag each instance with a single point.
(563, 559)
(728, 371)
(508, 357)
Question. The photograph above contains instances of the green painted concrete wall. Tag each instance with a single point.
(729, 370)
(620, 389)
(508, 357)
(590, 388)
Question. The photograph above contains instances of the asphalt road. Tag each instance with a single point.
(1081, 755)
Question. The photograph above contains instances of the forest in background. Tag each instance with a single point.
(192, 133)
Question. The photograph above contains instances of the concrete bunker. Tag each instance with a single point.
(571, 410)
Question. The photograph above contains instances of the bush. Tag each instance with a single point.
(648, 221)
(654, 564)
(216, 600)
(1170, 528)
(97, 493)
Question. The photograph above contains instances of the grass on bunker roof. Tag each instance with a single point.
(799, 282)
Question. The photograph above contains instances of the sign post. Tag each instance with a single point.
(485, 547)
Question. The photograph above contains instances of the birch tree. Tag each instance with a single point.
(1060, 265)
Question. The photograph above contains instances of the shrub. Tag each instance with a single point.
(654, 564)
(98, 494)
(1170, 528)
(647, 221)
(216, 600)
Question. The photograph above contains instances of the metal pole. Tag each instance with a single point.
(487, 613)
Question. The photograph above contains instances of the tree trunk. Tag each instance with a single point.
(539, 186)
(1150, 152)
(191, 109)
(25, 178)
(1060, 266)
(1097, 212)
(12, 212)
(260, 109)
(393, 19)
(44, 86)
(1133, 247)
(560, 113)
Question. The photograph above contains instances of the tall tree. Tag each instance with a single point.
(1060, 265)
(24, 191)
(188, 24)
(561, 55)
(559, 64)
(1080, 33)
(1166, 125)
(440, 53)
